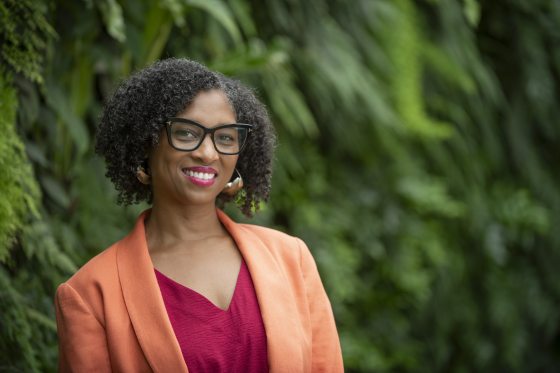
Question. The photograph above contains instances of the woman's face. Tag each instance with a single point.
(194, 177)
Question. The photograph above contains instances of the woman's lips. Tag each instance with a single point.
(201, 176)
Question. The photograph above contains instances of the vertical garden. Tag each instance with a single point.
(419, 144)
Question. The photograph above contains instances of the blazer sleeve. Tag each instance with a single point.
(82, 340)
(326, 351)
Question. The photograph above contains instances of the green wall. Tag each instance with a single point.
(418, 158)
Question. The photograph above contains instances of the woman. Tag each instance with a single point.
(188, 288)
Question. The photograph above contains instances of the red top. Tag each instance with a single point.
(214, 340)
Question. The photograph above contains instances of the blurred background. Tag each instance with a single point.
(418, 158)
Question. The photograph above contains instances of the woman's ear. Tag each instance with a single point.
(143, 173)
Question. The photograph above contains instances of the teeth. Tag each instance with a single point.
(200, 175)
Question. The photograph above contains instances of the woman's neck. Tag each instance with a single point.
(168, 225)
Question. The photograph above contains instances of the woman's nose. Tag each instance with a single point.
(206, 152)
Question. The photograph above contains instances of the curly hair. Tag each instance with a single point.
(134, 117)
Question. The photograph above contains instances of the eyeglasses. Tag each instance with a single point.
(187, 135)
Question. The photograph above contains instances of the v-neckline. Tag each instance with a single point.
(196, 294)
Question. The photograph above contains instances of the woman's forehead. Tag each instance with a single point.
(209, 108)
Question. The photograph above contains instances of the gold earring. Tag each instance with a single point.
(234, 186)
(142, 175)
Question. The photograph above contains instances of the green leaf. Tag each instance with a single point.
(219, 10)
(73, 123)
(55, 190)
(113, 18)
(471, 8)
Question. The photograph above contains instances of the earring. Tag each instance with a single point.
(234, 186)
(142, 175)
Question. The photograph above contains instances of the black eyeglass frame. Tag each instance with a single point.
(206, 130)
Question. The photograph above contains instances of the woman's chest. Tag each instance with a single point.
(210, 270)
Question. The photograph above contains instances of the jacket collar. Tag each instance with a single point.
(283, 334)
(149, 317)
(144, 302)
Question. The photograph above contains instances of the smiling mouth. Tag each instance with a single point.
(200, 178)
(199, 175)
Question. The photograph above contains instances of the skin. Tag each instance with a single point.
(186, 241)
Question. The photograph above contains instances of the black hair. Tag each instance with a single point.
(134, 117)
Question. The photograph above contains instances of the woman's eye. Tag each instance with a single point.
(226, 139)
(184, 135)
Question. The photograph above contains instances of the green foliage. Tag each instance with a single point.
(20, 193)
(112, 18)
(24, 36)
(406, 55)
(17, 334)
(417, 153)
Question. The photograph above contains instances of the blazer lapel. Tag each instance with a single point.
(144, 303)
(276, 302)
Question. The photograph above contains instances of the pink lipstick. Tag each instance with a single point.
(201, 176)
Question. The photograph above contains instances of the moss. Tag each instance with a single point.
(20, 193)
(24, 35)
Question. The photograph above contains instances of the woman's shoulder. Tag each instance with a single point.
(266, 232)
(277, 242)
(102, 269)
(272, 238)
(98, 272)
(270, 235)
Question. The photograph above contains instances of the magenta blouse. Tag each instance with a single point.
(214, 340)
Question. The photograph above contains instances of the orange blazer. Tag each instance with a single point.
(111, 316)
